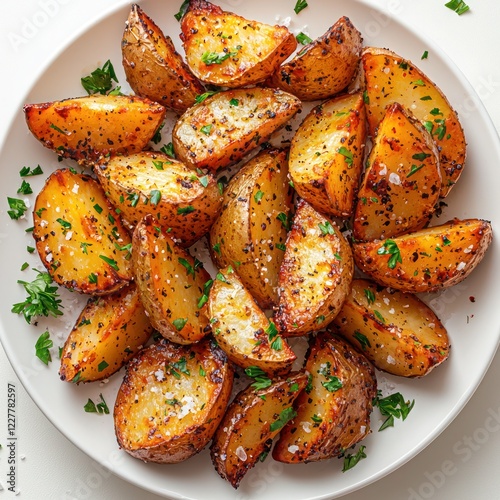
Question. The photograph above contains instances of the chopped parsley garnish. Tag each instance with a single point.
(206, 129)
(93, 278)
(102, 365)
(201, 97)
(185, 210)
(332, 384)
(391, 248)
(206, 290)
(100, 80)
(134, 199)
(303, 39)
(284, 417)
(420, 156)
(17, 208)
(26, 171)
(110, 262)
(425, 55)
(262, 381)
(25, 188)
(210, 58)
(234, 102)
(370, 296)
(101, 408)
(414, 169)
(182, 10)
(326, 228)
(178, 367)
(366, 97)
(351, 460)
(419, 83)
(459, 6)
(64, 224)
(157, 135)
(258, 196)
(300, 5)
(168, 149)
(346, 154)
(285, 221)
(42, 346)
(155, 197)
(392, 406)
(362, 339)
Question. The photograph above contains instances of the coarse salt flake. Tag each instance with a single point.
(293, 448)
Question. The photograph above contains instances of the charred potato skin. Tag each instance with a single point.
(344, 413)
(315, 275)
(462, 245)
(247, 233)
(246, 427)
(216, 134)
(153, 67)
(383, 69)
(402, 180)
(256, 56)
(141, 427)
(186, 207)
(396, 331)
(169, 290)
(324, 67)
(88, 128)
(107, 334)
(70, 217)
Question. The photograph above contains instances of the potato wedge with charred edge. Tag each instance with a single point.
(326, 154)
(227, 50)
(315, 275)
(251, 422)
(154, 69)
(333, 412)
(182, 201)
(402, 180)
(324, 67)
(222, 129)
(426, 260)
(90, 127)
(79, 237)
(389, 78)
(396, 331)
(171, 400)
(171, 284)
(242, 329)
(108, 332)
(248, 233)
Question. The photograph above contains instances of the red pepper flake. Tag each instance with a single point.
(472, 298)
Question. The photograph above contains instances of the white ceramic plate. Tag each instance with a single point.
(474, 327)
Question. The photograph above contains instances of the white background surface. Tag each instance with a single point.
(462, 463)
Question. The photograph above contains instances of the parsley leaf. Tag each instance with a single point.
(17, 208)
(351, 461)
(262, 381)
(300, 5)
(285, 416)
(459, 6)
(100, 80)
(42, 346)
(391, 248)
(100, 408)
(392, 406)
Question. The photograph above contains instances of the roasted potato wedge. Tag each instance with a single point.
(324, 67)
(250, 424)
(171, 284)
(426, 260)
(248, 233)
(171, 400)
(108, 332)
(402, 181)
(182, 201)
(326, 155)
(333, 412)
(79, 236)
(389, 78)
(396, 331)
(315, 275)
(90, 127)
(227, 50)
(222, 129)
(154, 69)
(242, 329)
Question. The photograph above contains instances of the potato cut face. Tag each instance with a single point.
(222, 129)
(333, 412)
(426, 260)
(402, 182)
(153, 67)
(79, 236)
(88, 128)
(251, 422)
(316, 273)
(396, 331)
(325, 66)
(242, 329)
(326, 154)
(108, 332)
(249, 233)
(389, 78)
(183, 201)
(171, 284)
(171, 400)
(228, 50)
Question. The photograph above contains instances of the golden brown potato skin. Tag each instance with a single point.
(108, 332)
(187, 202)
(324, 67)
(250, 424)
(402, 180)
(330, 419)
(222, 129)
(79, 236)
(396, 331)
(248, 233)
(430, 259)
(315, 275)
(389, 78)
(256, 49)
(88, 128)
(171, 400)
(154, 69)
(171, 284)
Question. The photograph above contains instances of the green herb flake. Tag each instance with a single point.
(206, 129)
(182, 10)
(155, 197)
(42, 346)
(202, 97)
(102, 366)
(425, 55)
(25, 188)
(100, 81)
(332, 384)
(25, 266)
(362, 339)
(210, 58)
(346, 154)
(234, 102)
(392, 406)
(30, 249)
(426, 98)
(370, 296)
(101, 408)
(168, 149)
(93, 278)
(27, 171)
(366, 97)
(351, 460)
(459, 6)
(285, 221)
(414, 169)
(284, 417)
(418, 83)
(185, 210)
(17, 208)
(300, 5)
(391, 248)
(326, 228)
(303, 39)
(262, 381)
(258, 196)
